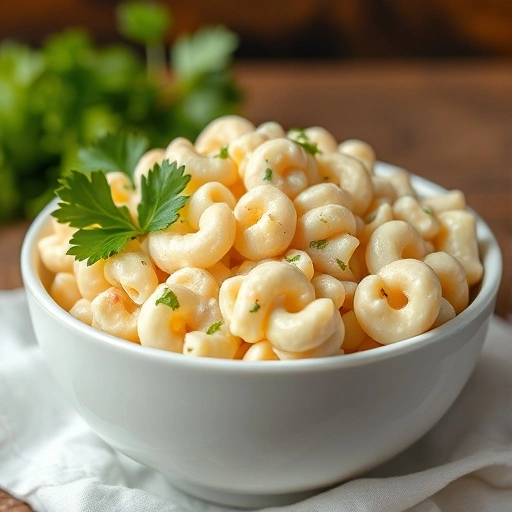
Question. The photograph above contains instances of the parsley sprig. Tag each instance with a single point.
(104, 228)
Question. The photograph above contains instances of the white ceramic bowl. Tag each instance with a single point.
(254, 434)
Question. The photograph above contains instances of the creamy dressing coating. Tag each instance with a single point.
(289, 247)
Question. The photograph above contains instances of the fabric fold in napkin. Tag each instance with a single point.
(51, 459)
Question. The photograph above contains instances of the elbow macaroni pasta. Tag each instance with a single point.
(280, 253)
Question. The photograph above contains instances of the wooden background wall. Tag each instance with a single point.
(300, 28)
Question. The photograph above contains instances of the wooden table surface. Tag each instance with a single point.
(451, 123)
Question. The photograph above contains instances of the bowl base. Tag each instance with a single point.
(241, 500)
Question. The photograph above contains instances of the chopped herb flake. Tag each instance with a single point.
(223, 152)
(268, 174)
(169, 299)
(427, 210)
(341, 264)
(255, 308)
(308, 147)
(318, 244)
(214, 327)
(301, 138)
(293, 259)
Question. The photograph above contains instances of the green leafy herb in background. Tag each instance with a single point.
(69, 93)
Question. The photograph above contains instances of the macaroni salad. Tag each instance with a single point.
(289, 246)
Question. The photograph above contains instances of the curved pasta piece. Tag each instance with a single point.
(327, 286)
(202, 169)
(220, 132)
(457, 237)
(198, 280)
(242, 147)
(330, 347)
(132, 270)
(249, 300)
(172, 250)
(322, 194)
(114, 313)
(452, 277)
(53, 248)
(164, 325)
(401, 181)
(393, 241)
(301, 260)
(203, 198)
(446, 312)
(351, 175)
(402, 300)
(271, 130)
(219, 344)
(382, 214)
(422, 219)
(324, 140)
(260, 351)
(265, 223)
(302, 330)
(64, 290)
(361, 150)
(284, 164)
(326, 233)
(90, 279)
(451, 200)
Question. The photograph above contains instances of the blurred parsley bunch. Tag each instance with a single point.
(71, 92)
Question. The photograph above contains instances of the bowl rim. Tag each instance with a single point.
(490, 254)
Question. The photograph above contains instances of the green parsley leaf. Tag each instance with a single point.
(255, 308)
(87, 201)
(214, 327)
(292, 259)
(143, 22)
(113, 153)
(223, 152)
(341, 264)
(169, 299)
(161, 198)
(268, 175)
(318, 244)
(104, 228)
(96, 244)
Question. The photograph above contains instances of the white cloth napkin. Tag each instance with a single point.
(50, 459)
